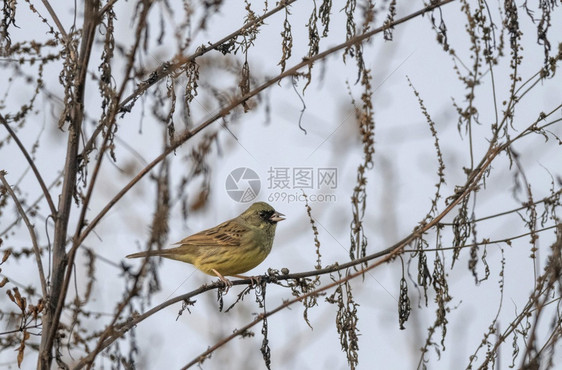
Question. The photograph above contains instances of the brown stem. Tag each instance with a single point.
(199, 359)
(56, 19)
(105, 146)
(32, 165)
(31, 230)
(55, 301)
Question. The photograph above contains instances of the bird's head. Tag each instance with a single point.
(262, 214)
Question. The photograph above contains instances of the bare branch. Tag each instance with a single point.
(55, 18)
(31, 230)
(38, 176)
(55, 305)
(199, 359)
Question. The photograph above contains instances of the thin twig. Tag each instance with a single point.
(56, 19)
(32, 165)
(31, 230)
(546, 199)
(32, 206)
(179, 62)
(106, 7)
(484, 242)
(199, 359)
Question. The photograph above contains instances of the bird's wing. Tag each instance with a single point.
(228, 233)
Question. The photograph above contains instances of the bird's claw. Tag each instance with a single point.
(227, 283)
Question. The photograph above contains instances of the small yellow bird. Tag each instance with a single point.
(231, 248)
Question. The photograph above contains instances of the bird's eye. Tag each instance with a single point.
(264, 215)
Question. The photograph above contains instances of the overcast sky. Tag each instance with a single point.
(400, 188)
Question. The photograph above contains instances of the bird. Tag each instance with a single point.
(230, 248)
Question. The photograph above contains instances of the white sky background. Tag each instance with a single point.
(400, 189)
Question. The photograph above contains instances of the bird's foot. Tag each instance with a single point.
(227, 283)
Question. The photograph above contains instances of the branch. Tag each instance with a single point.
(120, 330)
(110, 122)
(54, 306)
(109, 330)
(171, 67)
(484, 242)
(31, 230)
(32, 206)
(199, 359)
(306, 61)
(32, 165)
(177, 63)
(56, 19)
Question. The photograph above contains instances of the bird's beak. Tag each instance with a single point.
(276, 217)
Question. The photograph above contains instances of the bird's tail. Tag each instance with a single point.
(147, 254)
(173, 253)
